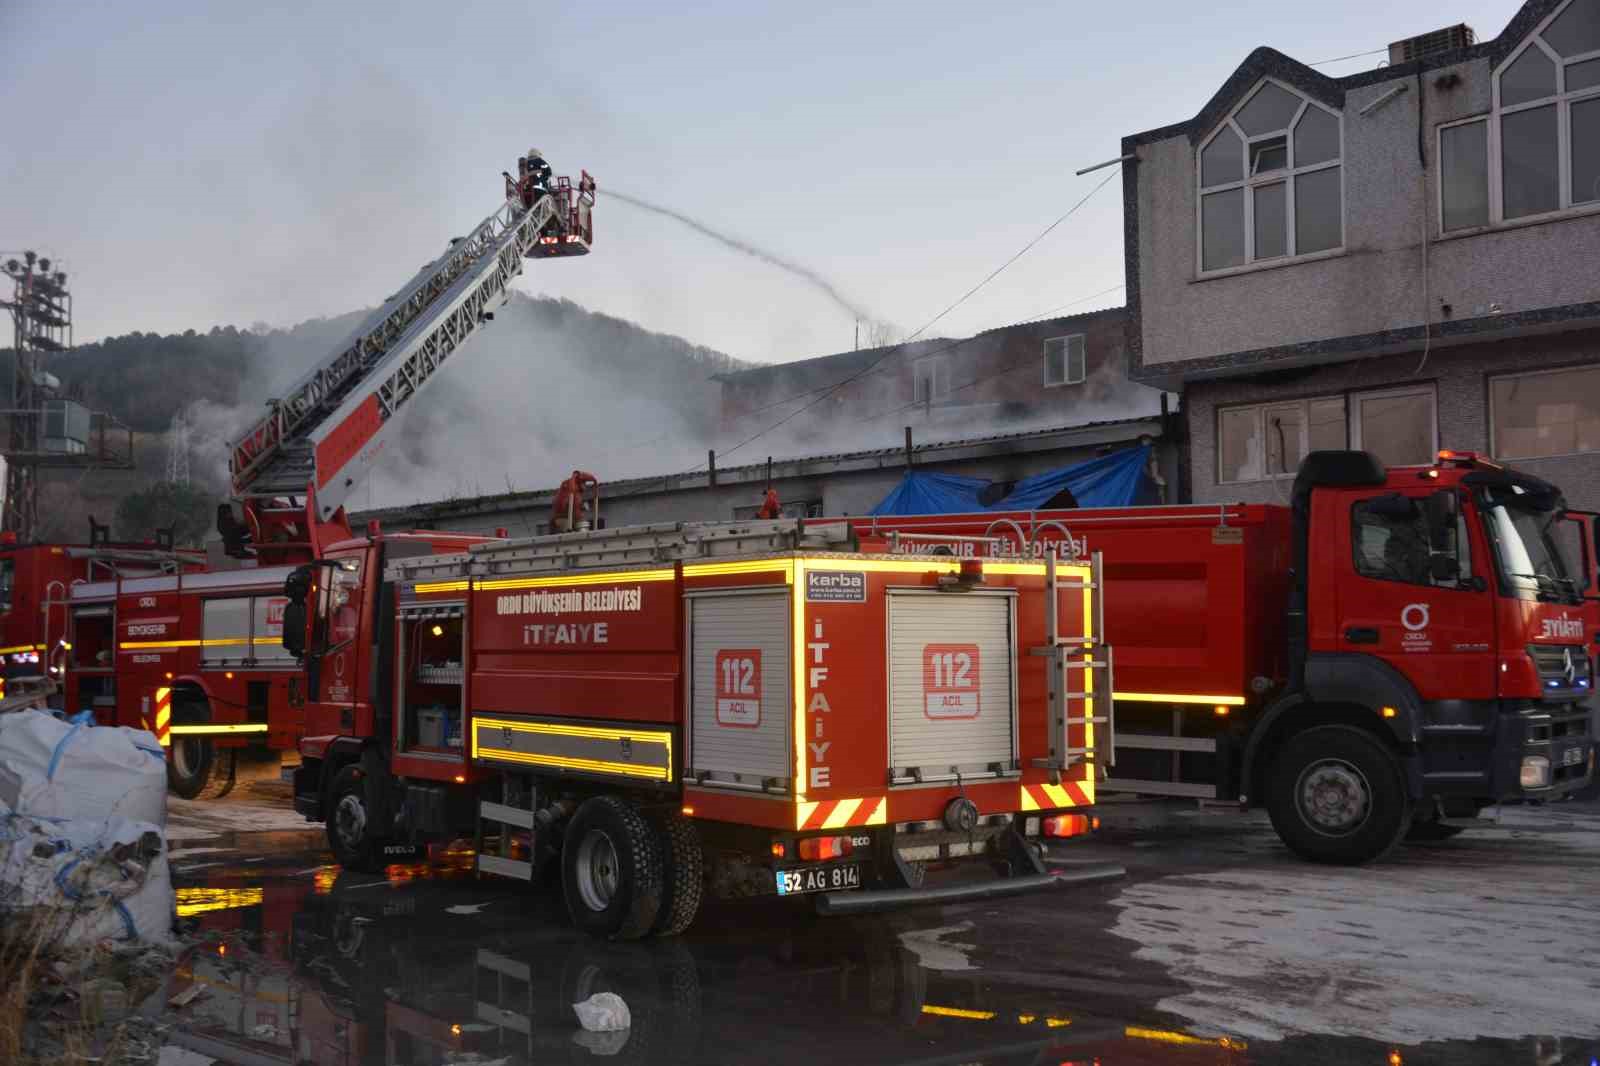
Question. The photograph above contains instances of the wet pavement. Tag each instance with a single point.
(1218, 948)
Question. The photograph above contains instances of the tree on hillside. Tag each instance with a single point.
(189, 510)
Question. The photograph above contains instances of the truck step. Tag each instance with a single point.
(494, 864)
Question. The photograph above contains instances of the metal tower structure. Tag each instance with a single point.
(43, 429)
(178, 449)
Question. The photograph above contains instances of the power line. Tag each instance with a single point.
(1353, 55)
(964, 297)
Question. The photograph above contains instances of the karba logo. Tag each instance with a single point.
(834, 579)
(147, 629)
(1563, 627)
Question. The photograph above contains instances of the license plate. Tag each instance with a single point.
(818, 879)
(1572, 757)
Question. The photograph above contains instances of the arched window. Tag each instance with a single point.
(1270, 180)
(1547, 115)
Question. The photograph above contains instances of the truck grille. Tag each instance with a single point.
(1563, 668)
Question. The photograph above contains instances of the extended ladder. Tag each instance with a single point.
(662, 542)
(326, 428)
(1087, 656)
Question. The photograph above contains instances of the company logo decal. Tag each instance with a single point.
(836, 586)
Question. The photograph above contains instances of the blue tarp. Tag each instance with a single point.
(1115, 480)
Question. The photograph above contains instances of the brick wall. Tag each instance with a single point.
(1460, 376)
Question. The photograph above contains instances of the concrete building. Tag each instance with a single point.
(1054, 372)
(842, 484)
(1400, 260)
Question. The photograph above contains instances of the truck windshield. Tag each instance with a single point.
(1530, 562)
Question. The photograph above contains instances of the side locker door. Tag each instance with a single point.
(1398, 601)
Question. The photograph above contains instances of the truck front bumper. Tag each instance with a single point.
(1544, 751)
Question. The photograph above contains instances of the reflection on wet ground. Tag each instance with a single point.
(294, 962)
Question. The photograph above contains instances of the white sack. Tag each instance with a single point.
(603, 1012)
(74, 882)
(51, 768)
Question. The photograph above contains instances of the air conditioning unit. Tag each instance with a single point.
(1422, 46)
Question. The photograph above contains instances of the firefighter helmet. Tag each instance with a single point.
(534, 153)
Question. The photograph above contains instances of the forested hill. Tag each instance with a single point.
(546, 386)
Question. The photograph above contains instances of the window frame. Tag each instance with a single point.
(1494, 430)
(1563, 101)
(1352, 436)
(1352, 409)
(1260, 408)
(1487, 118)
(1066, 360)
(1250, 182)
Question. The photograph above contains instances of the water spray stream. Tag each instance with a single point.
(806, 274)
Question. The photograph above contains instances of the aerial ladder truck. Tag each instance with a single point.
(197, 658)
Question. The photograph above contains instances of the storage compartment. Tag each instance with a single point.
(740, 690)
(952, 686)
(431, 678)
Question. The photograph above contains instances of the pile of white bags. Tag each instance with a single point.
(83, 811)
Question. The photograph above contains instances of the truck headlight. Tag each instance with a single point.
(1535, 771)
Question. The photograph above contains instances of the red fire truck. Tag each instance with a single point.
(755, 708)
(34, 583)
(1392, 652)
(197, 658)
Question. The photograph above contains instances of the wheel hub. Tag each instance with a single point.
(598, 872)
(350, 816)
(1334, 797)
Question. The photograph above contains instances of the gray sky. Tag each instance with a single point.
(212, 163)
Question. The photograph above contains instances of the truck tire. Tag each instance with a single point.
(198, 769)
(611, 870)
(683, 875)
(349, 823)
(1336, 794)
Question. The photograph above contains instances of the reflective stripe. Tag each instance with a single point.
(213, 730)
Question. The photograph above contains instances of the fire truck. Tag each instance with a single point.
(197, 658)
(1389, 654)
(34, 583)
(755, 708)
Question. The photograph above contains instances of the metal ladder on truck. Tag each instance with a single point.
(516, 802)
(330, 426)
(1088, 657)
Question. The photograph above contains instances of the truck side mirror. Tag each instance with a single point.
(297, 586)
(1442, 509)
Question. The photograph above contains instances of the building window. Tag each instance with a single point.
(1552, 412)
(1261, 442)
(1270, 181)
(930, 380)
(1543, 137)
(1399, 426)
(1065, 360)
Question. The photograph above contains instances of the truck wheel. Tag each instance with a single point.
(611, 870)
(1337, 795)
(198, 769)
(350, 826)
(684, 875)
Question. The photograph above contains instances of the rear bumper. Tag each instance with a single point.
(865, 902)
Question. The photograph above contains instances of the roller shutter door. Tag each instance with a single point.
(951, 705)
(225, 627)
(740, 690)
